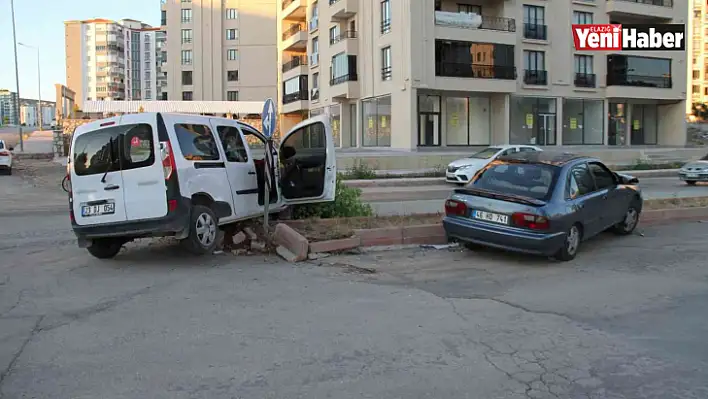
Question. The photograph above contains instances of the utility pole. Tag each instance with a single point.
(17, 76)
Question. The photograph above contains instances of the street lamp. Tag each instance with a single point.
(39, 83)
(17, 77)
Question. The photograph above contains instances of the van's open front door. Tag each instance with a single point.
(308, 168)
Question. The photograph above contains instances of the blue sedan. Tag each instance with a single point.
(542, 203)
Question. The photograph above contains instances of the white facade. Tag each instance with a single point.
(28, 115)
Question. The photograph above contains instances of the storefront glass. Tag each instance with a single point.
(532, 120)
(617, 124)
(583, 121)
(376, 115)
(644, 124)
(467, 121)
(428, 120)
(336, 121)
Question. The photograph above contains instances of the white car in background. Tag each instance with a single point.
(5, 158)
(462, 170)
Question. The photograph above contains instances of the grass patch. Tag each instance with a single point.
(334, 229)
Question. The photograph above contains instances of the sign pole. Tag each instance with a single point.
(268, 119)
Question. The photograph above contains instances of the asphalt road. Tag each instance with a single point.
(626, 319)
(428, 199)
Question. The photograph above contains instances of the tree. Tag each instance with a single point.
(700, 111)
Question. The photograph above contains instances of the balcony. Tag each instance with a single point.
(345, 42)
(295, 38)
(296, 101)
(647, 10)
(535, 31)
(344, 86)
(296, 66)
(585, 80)
(475, 28)
(659, 82)
(294, 10)
(535, 77)
(475, 77)
(343, 9)
(620, 85)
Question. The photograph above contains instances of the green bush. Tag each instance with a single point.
(360, 171)
(347, 203)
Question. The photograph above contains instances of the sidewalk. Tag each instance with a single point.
(38, 142)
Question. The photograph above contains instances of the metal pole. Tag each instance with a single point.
(17, 77)
(39, 94)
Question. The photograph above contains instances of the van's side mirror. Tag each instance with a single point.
(11, 148)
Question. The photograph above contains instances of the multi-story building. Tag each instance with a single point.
(447, 73)
(698, 48)
(161, 43)
(29, 115)
(8, 107)
(220, 50)
(111, 60)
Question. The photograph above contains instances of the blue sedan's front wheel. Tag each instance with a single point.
(629, 222)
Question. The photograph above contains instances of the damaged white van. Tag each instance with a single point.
(162, 174)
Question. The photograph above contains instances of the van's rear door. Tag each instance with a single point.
(143, 176)
(96, 180)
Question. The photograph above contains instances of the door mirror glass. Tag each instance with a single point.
(11, 148)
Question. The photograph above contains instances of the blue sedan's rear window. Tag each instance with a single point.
(527, 180)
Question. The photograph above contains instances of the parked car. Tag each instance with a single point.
(695, 171)
(462, 170)
(161, 174)
(5, 158)
(542, 203)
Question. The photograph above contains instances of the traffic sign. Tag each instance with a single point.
(268, 118)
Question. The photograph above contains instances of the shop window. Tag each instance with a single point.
(376, 115)
(467, 121)
(583, 121)
(533, 120)
(644, 124)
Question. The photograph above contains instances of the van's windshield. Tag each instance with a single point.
(115, 148)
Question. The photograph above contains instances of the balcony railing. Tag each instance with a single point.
(332, 1)
(292, 31)
(661, 3)
(584, 79)
(297, 96)
(314, 59)
(661, 82)
(350, 77)
(386, 73)
(315, 94)
(535, 31)
(286, 3)
(461, 20)
(314, 24)
(350, 34)
(295, 62)
(385, 26)
(467, 70)
(535, 77)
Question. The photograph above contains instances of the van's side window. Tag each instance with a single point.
(196, 142)
(233, 145)
(98, 151)
(138, 147)
(254, 141)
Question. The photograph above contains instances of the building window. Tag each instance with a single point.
(186, 78)
(315, 53)
(342, 69)
(186, 36)
(186, 15)
(582, 18)
(231, 54)
(535, 67)
(231, 34)
(315, 96)
(705, 91)
(535, 22)
(626, 70)
(186, 57)
(645, 124)
(186, 1)
(469, 9)
(314, 17)
(231, 13)
(696, 74)
(163, 18)
(386, 63)
(584, 75)
(232, 76)
(376, 114)
(467, 121)
(231, 96)
(583, 121)
(385, 16)
(532, 120)
(186, 96)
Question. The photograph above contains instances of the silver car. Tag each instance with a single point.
(542, 203)
(695, 171)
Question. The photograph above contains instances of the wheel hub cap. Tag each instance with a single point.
(206, 229)
(573, 240)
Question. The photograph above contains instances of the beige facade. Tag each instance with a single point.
(698, 48)
(443, 73)
(220, 50)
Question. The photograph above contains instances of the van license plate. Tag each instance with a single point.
(107, 208)
(491, 217)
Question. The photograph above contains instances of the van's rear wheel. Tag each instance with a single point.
(203, 231)
(105, 248)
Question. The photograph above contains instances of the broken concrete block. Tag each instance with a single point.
(258, 246)
(292, 240)
(315, 256)
(286, 254)
(239, 252)
(239, 238)
(250, 234)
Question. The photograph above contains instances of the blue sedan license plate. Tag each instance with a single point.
(491, 217)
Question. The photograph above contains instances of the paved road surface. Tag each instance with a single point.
(428, 199)
(625, 320)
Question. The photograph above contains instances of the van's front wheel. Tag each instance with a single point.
(203, 231)
(105, 248)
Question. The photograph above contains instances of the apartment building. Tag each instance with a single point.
(8, 107)
(111, 60)
(456, 73)
(698, 48)
(220, 50)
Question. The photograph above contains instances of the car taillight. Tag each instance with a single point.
(455, 208)
(168, 159)
(71, 197)
(530, 221)
(4, 154)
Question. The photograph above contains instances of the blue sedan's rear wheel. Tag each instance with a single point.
(573, 238)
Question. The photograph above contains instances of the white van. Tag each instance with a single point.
(163, 174)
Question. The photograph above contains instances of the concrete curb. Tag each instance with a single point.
(424, 181)
(33, 155)
(434, 234)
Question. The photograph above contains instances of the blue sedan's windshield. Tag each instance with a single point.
(527, 180)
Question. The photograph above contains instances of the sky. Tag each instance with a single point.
(40, 23)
